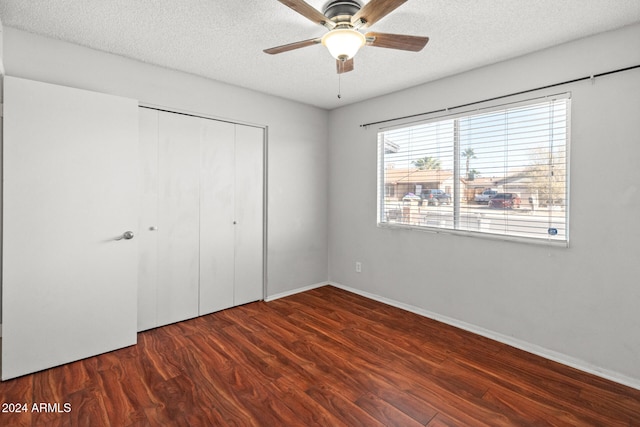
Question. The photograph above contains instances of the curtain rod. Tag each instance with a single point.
(442, 110)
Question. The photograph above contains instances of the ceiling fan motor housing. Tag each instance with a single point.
(341, 10)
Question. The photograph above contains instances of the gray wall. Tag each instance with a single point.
(297, 147)
(580, 304)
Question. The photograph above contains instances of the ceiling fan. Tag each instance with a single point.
(344, 19)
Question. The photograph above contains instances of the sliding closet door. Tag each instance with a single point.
(70, 161)
(249, 202)
(231, 219)
(178, 217)
(201, 230)
(148, 224)
(217, 204)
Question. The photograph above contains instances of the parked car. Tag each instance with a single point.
(485, 196)
(435, 197)
(505, 201)
(410, 196)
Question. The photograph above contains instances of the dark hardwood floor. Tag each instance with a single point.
(325, 357)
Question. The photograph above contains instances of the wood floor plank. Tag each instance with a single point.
(442, 420)
(472, 411)
(333, 401)
(535, 412)
(325, 357)
(282, 361)
(407, 403)
(546, 390)
(213, 389)
(388, 414)
(87, 409)
(308, 411)
(418, 366)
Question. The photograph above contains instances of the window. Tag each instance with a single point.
(500, 172)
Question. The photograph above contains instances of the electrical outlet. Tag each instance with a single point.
(358, 267)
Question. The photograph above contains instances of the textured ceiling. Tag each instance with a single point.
(223, 39)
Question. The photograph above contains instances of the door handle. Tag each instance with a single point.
(127, 235)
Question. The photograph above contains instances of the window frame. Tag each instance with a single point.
(484, 108)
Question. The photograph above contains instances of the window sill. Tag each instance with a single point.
(558, 243)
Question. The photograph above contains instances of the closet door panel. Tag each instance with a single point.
(178, 218)
(148, 238)
(249, 190)
(216, 213)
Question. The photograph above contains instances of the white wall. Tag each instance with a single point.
(297, 144)
(580, 304)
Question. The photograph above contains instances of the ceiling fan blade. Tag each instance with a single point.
(344, 66)
(309, 12)
(396, 41)
(374, 11)
(292, 46)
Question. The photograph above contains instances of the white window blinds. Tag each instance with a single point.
(502, 172)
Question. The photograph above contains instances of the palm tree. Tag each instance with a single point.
(427, 163)
(469, 154)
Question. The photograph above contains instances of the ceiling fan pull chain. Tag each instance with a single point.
(339, 88)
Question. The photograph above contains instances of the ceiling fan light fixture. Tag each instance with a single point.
(343, 43)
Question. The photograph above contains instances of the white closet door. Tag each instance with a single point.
(148, 236)
(249, 195)
(70, 189)
(178, 218)
(216, 213)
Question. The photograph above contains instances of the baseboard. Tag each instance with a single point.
(295, 291)
(522, 345)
